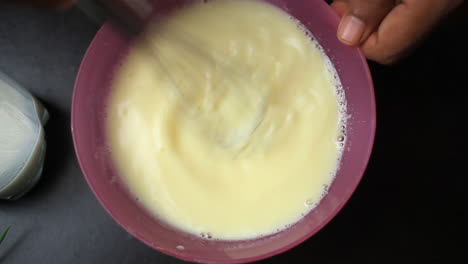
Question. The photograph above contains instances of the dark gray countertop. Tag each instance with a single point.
(410, 207)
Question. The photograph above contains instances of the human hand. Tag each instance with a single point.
(387, 30)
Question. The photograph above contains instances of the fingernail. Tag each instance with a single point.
(351, 30)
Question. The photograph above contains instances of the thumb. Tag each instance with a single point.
(360, 18)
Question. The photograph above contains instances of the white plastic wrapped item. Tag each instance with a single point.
(22, 144)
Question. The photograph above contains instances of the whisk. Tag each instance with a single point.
(229, 110)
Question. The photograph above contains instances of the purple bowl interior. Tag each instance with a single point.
(93, 86)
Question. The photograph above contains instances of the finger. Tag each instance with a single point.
(361, 18)
(340, 7)
(404, 27)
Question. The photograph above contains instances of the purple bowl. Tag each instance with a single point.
(92, 89)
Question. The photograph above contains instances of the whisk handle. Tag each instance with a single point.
(132, 14)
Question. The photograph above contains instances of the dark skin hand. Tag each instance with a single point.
(385, 30)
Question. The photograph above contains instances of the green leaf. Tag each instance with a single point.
(2, 237)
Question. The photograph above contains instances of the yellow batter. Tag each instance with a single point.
(235, 177)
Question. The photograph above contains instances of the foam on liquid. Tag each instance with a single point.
(188, 180)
